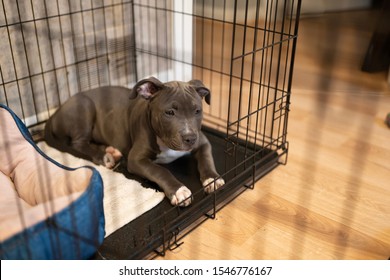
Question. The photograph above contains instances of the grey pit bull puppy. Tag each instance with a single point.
(152, 123)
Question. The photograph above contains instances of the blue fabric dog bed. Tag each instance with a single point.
(47, 210)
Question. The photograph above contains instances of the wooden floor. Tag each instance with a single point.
(332, 199)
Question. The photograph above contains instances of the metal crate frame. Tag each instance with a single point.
(242, 50)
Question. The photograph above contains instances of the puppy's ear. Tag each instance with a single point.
(201, 89)
(146, 88)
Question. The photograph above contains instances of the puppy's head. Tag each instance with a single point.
(175, 110)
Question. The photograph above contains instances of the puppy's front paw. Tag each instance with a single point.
(182, 197)
(212, 184)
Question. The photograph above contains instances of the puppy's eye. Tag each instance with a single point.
(170, 112)
(198, 111)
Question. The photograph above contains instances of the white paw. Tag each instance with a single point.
(212, 184)
(109, 161)
(182, 197)
(116, 154)
(111, 157)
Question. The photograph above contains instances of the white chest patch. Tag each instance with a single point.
(168, 155)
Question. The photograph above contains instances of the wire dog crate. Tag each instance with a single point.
(243, 51)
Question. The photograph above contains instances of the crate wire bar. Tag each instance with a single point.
(242, 50)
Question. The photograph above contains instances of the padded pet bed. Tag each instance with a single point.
(125, 198)
(47, 210)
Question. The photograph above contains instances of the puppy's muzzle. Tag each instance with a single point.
(189, 139)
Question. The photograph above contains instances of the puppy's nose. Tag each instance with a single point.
(189, 138)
